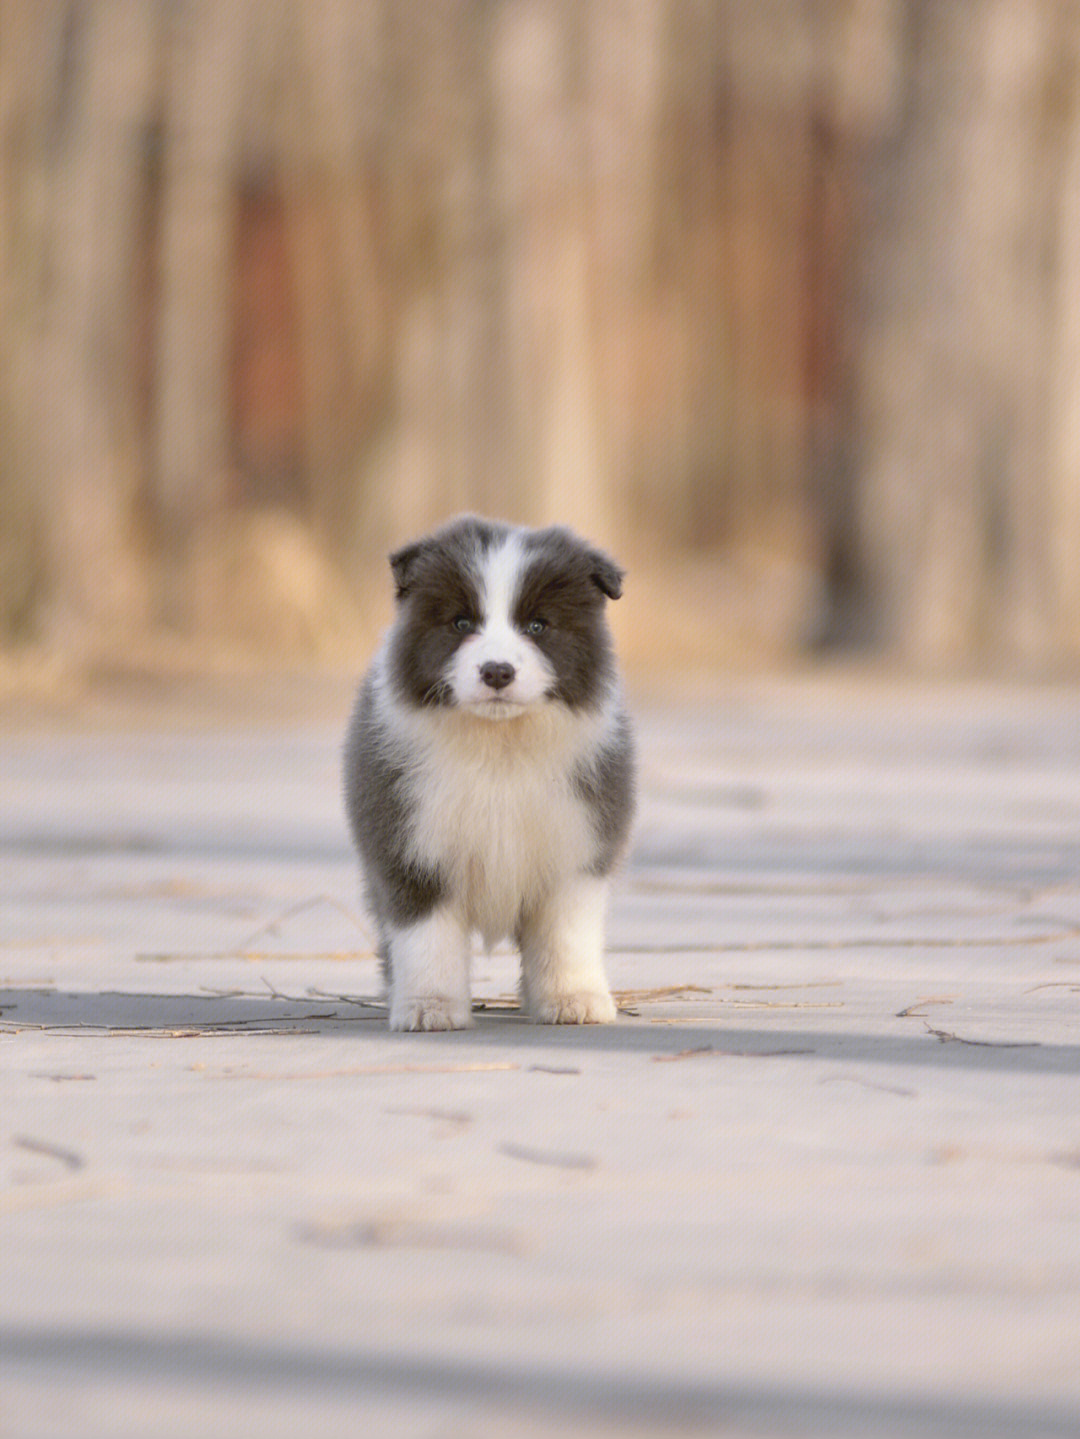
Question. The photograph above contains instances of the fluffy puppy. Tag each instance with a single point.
(489, 770)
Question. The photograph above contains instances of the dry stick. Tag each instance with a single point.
(381, 1234)
(67, 1157)
(227, 1026)
(800, 945)
(943, 1036)
(727, 1053)
(763, 946)
(312, 993)
(355, 1069)
(316, 993)
(806, 984)
(244, 950)
(868, 1084)
(1022, 894)
(178, 956)
(782, 1004)
(452, 1116)
(558, 1158)
(273, 925)
(667, 991)
(911, 1011)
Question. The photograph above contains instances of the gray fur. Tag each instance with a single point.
(435, 578)
(561, 545)
(607, 787)
(376, 800)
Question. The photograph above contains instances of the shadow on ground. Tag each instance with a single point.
(114, 1012)
(631, 1401)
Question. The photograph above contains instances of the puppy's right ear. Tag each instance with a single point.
(606, 575)
(402, 565)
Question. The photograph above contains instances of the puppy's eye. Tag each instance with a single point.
(463, 625)
(536, 627)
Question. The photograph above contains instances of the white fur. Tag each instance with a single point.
(562, 942)
(431, 974)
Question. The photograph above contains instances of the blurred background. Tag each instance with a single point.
(777, 299)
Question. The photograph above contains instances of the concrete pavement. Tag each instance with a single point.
(822, 1178)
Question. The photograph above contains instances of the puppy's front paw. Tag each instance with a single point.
(428, 1014)
(585, 1007)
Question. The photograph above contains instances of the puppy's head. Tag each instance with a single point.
(501, 621)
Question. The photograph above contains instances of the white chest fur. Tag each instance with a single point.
(494, 807)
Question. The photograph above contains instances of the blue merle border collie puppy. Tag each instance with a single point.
(489, 770)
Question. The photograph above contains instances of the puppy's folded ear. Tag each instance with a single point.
(403, 563)
(606, 575)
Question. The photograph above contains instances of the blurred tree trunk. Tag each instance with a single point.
(1063, 462)
(210, 44)
(440, 437)
(949, 353)
(332, 125)
(20, 562)
(628, 53)
(96, 72)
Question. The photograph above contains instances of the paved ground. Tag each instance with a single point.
(823, 1177)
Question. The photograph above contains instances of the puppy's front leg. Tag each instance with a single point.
(429, 973)
(562, 955)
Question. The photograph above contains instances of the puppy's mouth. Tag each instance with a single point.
(496, 707)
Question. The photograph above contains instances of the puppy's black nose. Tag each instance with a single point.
(497, 674)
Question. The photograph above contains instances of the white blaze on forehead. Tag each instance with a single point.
(500, 579)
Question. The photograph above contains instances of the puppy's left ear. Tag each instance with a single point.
(605, 574)
(402, 565)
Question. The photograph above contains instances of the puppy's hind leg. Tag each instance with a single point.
(562, 955)
(429, 973)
